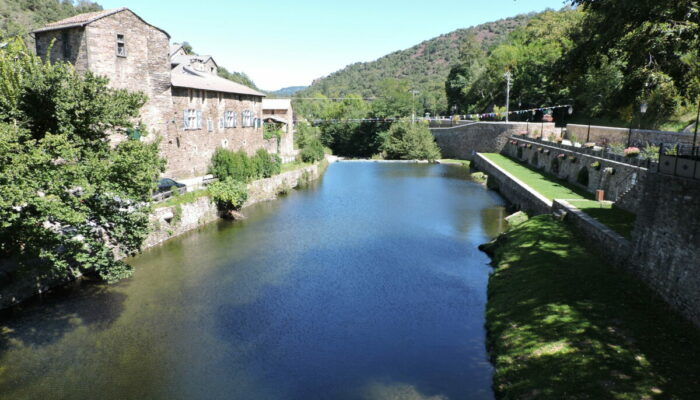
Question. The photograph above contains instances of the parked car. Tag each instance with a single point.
(166, 184)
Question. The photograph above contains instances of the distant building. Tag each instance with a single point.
(279, 112)
(190, 107)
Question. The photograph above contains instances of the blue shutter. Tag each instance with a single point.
(221, 121)
(199, 120)
(184, 120)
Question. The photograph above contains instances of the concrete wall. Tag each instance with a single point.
(484, 137)
(666, 250)
(621, 186)
(599, 134)
(189, 151)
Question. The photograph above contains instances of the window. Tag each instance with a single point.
(192, 119)
(247, 119)
(230, 119)
(121, 46)
(65, 38)
(210, 125)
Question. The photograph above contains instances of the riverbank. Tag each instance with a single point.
(563, 323)
(190, 212)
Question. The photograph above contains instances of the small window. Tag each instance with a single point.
(121, 46)
(65, 38)
(192, 119)
(210, 125)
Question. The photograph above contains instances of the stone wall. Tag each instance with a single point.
(69, 45)
(621, 184)
(166, 225)
(615, 248)
(599, 134)
(518, 193)
(484, 137)
(189, 151)
(146, 67)
(666, 252)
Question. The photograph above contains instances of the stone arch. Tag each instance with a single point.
(554, 166)
(583, 178)
(520, 152)
(535, 159)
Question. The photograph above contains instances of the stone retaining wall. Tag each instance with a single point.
(168, 223)
(465, 141)
(620, 135)
(621, 182)
(521, 196)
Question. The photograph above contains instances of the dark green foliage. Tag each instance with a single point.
(68, 200)
(407, 141)
(239, 166)
(312, 152)
(229, 194)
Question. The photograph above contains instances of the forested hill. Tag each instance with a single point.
(19, 17)
(425, 66)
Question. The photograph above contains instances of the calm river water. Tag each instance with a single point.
(367, 285)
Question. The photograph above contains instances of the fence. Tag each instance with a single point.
(680, 160)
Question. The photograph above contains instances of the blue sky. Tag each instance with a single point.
(290, 43)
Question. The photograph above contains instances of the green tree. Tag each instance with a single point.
(69, 201)
(407, 141)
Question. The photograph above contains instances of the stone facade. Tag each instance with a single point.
(189, 151)
(464, 141)
(144, 65)
(136, 56)
(274, 112)
(621, 182)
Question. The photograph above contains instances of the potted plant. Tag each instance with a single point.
(595, 165)
(561, 156)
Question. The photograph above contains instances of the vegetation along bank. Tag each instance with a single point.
(563, 323)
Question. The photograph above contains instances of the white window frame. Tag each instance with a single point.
(192, 119)
(230, 119)
(247, 121)
(121, 40)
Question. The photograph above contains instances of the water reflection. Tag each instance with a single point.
(369, 285)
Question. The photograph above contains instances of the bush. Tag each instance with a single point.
(229, 194)
(408, 141)
(237, 165)
(651, 152)
(313, 151)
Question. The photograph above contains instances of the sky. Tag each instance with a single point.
(291, 43)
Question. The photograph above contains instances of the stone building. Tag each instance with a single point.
(279, 112)
(190, 108)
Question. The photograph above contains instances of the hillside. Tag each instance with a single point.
(18, 17)
(286, 92)
(426, 65)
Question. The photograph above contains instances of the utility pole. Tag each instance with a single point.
(413, 116)
(508, 82)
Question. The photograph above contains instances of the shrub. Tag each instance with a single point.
(632, 152)
(237, 165)
(229, 194)
(651, 152)
(313, 151)
(408, 141)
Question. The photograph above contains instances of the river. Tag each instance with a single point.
(366, 285)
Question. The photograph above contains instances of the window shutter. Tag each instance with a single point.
(199, 120)
(221, 122)
(184, 120)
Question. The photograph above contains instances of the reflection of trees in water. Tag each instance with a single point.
(493, 220)
(48, 319)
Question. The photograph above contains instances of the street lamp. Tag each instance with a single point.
(642, 109)
(413, 104)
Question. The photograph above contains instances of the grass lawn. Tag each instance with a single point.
(294, 165)
(454, 161)
(563, 324)
(184, 198)
(619, 220)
